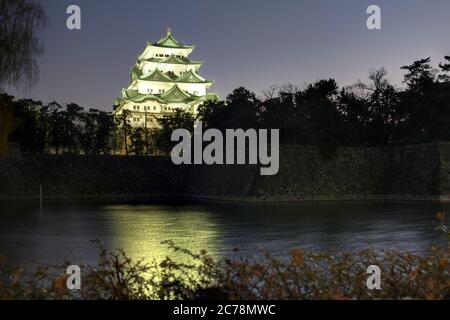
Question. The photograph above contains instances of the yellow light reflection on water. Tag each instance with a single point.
(139, 231)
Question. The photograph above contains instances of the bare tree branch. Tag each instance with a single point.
(20, 21)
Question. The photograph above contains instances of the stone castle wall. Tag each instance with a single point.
(420, 172)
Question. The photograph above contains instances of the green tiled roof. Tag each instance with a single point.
(171, 75)
(135, 73)
(129, 93)
(117, 103)
(170, 42)
(135, 96)
(157, 76)
(173, 59)
(144, 97)
(175, 94)
(212, 96)
(176, 60)
(191, 77)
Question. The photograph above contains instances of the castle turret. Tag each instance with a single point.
(163, 79)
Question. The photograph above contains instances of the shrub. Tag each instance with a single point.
(308, 275)
(303, 275)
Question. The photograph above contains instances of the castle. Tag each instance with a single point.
(162, 80)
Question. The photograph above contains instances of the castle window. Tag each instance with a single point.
(154, 107)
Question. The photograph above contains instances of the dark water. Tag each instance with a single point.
(61, 233)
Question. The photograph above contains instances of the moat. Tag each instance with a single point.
(59, 233)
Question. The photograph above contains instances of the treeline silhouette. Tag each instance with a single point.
(364, 114)
(374, 113)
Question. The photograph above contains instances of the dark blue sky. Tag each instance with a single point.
(253, 43)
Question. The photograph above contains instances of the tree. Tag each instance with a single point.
(20, 22)
(242, 107)
(31, 131)
(137, 141)
(179, 119)
(96, 132)
(379, 105)
(6, 121)
(445, 68)
(354, 108)
(105, 127)
(318, 113)
(72, 125)
(56, 127)
(280, 112)
(212, 113)
(425, 103)
(420, 76)
(240, 110)
(65, 125)
(123, 126)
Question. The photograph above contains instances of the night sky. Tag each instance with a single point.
(251, 43)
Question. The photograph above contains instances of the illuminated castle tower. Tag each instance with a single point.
(162, 80)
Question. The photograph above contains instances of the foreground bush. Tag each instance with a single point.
(341, 276)
(304, 275)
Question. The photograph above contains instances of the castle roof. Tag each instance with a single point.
(175, 94)
(135, 96)
(163, 59)
(136, 73)
(156, 75)
(191, 77)
(170, 42)
(173, 59)
(188, 77)
(177, 60)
